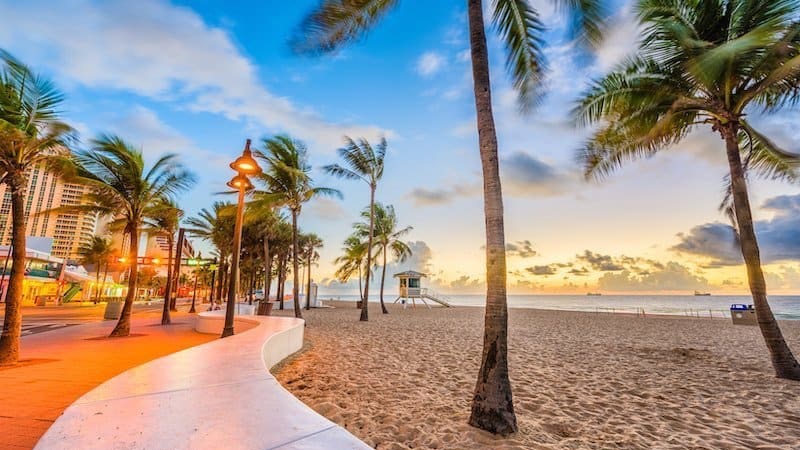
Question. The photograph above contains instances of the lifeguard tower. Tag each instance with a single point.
(410, 289)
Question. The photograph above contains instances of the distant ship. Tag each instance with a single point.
(701, 294)
(593, 294)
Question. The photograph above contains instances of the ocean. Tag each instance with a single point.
(786, 307)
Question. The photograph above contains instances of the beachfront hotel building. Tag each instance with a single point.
(47, 191)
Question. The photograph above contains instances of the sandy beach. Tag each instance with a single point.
(580, 380)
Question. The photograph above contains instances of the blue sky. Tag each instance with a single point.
(199, 77)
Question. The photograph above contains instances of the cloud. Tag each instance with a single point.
(420, 260)
(465, 283)
(778, 237)
(524, 175)
(426, 197)
(621, 40)
(429, 64)
(603, 263)
(580, 271)
(673, 277)
(522, 249)
(160, 51)
(545, 270)
(325, 209)
(714, 240)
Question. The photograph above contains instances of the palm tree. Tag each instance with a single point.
(215, 226)
(366, 164)
(262, 213)
(387, 237)
(124, 188)
(338, 22)
(289, 184)
(706, 63)
(352, 261)
(164, 220)
(31, 134)
(96, 252)
(310, 243)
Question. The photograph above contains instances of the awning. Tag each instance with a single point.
(77, 277)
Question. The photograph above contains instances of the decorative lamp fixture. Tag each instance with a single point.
(246, 164)
(240, 182)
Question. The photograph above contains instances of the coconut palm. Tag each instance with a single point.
(387, 238)
(123, 187)
(262, 213)
(338, 22)
(164, 220)
(216, 227)
(97, 252)
(352, 261)
(706, 63)
(31, 135)
(365, 163)
(289, 184)
(309, 244)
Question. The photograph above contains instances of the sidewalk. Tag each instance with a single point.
(59, 366)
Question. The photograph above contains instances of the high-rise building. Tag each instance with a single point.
(45, 192)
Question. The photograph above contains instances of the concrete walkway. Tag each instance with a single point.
(59, 366)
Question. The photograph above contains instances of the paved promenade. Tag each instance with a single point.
(59, 366)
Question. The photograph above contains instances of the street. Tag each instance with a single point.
(40, 319)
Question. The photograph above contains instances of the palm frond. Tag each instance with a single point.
(335, 23)
(521, 32)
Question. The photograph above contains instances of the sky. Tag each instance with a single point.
(197, 78)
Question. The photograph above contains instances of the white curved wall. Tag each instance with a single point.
(219, 395)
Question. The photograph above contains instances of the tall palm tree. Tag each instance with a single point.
(31, 134)
(365, 163)
(387, 238)
(310, 243)
(709, 63)
(97, 252)
(215, 226)
(352, 261)
(288, 182)
(338, 22)
(123, 187)
(164, 220)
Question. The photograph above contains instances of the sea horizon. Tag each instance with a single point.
(785, 307)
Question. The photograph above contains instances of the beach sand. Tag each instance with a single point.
(580, 380)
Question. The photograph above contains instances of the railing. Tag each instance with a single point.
(427, 292)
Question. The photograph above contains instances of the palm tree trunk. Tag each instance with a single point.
(97, 283)
(365, 302)
(492, 403)
(165, 318)
(220, 278)
(281, 280)
(783, 360)
(308, 281)
(295, 269)
(12, 322)
(360, 287)
(383, 279)
(123, 327)
(105, 277)
(262, 308)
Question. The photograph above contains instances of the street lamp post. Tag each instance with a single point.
(244, 165)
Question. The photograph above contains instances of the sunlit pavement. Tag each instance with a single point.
(62, 364)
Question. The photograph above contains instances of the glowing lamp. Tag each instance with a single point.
(122, 260)
(240, 182)
(155, 261)
(246, 164)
